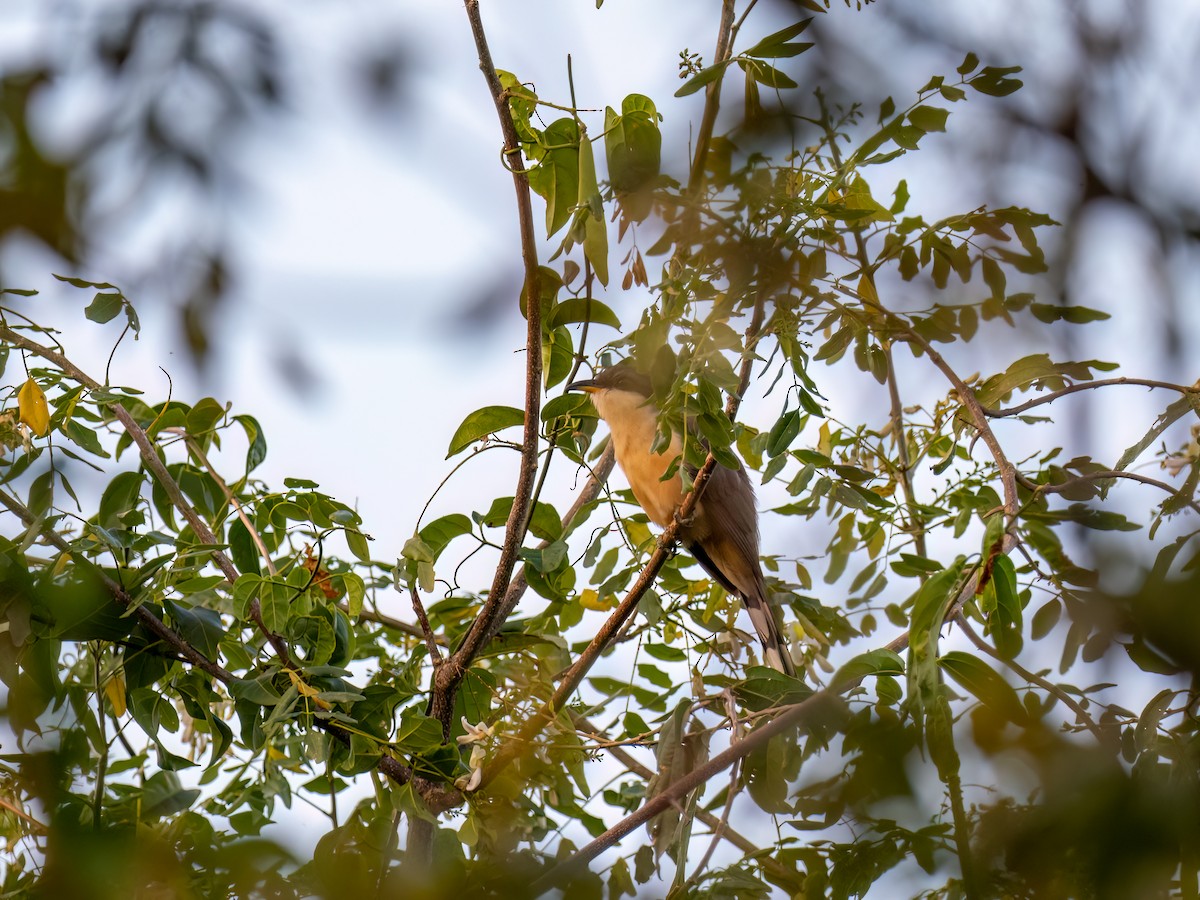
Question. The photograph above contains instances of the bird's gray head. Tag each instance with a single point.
(621, 377)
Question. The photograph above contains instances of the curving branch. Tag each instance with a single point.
(1103, 476)
(823, 704)
(1086, 386)
(712, 98)
(716, 823)
(1054, 690)
(155, 466)
(448, 677)
(152, 623)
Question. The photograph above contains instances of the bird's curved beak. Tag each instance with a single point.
(587, 386)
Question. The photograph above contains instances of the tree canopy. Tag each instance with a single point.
(997, 638)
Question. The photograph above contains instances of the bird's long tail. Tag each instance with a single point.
(775, 650)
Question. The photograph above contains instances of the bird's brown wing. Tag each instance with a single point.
(727, 548)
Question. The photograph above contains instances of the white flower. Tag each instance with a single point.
(468, 783)
(475, 733)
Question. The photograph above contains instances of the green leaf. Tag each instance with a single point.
(163, 796)
(105, 307)
(275, 600)
(243, 549)
(556, 177)
(356, 591)
(545, 522)
(204, 416)
(632, 144)
(440, 532)
(546, 559)
(358, 544)
(1146, 732)
(257, 451)
(701, 78)
(1076, 315)
(81, 283)
(1002, 598)
(929, 118)
(482, 423)
(85, 438)
(583, 309)
(783, 432)
(200, 627)
(1045, 619)
(259, 691)
(985, 683)
(120, 497)
(1037, 370)
(928, 610)
(773, 44)
(595, 246)
(873, 662)
(767, 74)
(994, 81)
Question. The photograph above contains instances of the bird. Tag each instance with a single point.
(722, 532)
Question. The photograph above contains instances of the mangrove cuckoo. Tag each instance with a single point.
(722, 532)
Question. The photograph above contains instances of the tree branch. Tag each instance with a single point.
(738, 840)
(608, 632)
(1100, 476)
(824, 703)
(448, 677)
(152, 623)
(155, 466)
(712, 99)
(1086, 386)
(1041, 682)
(821, 705)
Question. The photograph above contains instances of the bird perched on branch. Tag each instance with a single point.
(722, 532)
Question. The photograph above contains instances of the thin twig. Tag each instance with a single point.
(152, 623)
(961, 621)
(738, 840)
(426, 631)
(916, 522)
(823, 704)
(21, 814)
(102, 750)
(1085, 386)
(194, 447)
(155, 466)
(370, 615)
(1100, 476)
(737, 733)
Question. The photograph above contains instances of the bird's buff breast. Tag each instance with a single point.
(633, 428)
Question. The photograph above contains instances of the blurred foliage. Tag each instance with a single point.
(193, 653)
(172, 90)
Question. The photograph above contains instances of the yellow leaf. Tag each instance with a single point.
(34, 412)
(590, 599)
(824, 443)
(307, 690)
(114, 690)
